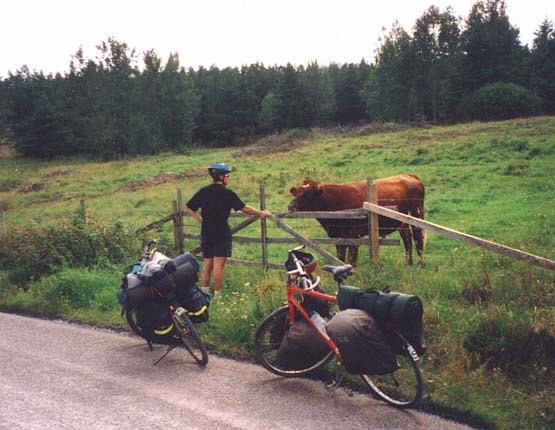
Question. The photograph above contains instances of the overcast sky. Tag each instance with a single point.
(44, 34)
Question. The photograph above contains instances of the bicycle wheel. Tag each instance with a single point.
(131, 317)
(404, 387)
(268, 339)
(189, 335)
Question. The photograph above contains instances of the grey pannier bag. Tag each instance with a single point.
(301, 347)
(362, 343)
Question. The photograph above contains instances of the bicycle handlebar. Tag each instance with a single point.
(147, 252)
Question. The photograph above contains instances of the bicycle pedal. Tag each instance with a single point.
(329, 384)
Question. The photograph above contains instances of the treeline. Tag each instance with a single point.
(446, 70)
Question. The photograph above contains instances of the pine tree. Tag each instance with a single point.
(491, 46)
(436, 42)
(542, 66)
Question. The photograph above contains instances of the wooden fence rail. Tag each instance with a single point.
(472, 240)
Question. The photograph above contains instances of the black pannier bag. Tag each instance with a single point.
(301, 347)
(362, 343)
(137, 292)
(401, 312)
(156, 322)
(196, 302)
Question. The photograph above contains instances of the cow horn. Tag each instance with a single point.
(309, 183)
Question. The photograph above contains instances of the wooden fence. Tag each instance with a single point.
(372, 242)
(369, 211)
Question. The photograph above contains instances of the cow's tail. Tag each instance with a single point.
(418, 212)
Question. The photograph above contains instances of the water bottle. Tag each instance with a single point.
(318, 321)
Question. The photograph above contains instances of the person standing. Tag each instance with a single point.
(215, 202)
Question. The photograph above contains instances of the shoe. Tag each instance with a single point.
(217, 294)
(205, 290)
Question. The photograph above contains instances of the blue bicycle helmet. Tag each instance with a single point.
(218, 169)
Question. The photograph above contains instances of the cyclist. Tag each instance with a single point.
(215, 202)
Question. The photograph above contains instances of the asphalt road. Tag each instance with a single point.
(56, 375)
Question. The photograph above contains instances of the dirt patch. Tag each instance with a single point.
(162, 178)
(59, 173)
(262, 150)
(52, 198)
(32, 187)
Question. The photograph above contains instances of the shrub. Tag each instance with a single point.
(9, 184)
(504, 101)
(79, 288)
(32, 251)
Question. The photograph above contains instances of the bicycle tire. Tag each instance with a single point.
(131, 321)
(266, 348)
(402, 388)
(190, 337)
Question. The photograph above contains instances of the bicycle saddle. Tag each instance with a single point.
(339, 272)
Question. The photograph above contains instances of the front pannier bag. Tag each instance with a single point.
(362, 343)
(301, 347)
(196, 302)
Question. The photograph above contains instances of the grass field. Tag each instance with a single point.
(490, 321)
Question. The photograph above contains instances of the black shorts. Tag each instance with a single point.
(216, 248)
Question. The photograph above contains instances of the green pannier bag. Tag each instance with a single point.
(401, 312)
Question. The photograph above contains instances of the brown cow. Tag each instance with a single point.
(405, 191)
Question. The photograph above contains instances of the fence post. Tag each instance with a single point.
(180, 235)
(176, 236)
(263, 228)
(83, 210)
(372, 191)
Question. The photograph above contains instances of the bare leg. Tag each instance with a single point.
(219, 263)
(206, 273)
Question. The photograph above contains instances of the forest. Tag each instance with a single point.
(446, 69)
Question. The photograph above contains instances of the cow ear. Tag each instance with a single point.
(293, 191)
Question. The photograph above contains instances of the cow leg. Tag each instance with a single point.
(404, 231)
(353, 255)
(341, 251)
(418, 235)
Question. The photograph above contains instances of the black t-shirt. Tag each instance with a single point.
(215, 202)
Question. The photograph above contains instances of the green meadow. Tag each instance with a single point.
(489, 320)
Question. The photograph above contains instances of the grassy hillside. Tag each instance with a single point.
(489, 320)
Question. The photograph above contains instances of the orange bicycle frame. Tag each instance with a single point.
(294, 303)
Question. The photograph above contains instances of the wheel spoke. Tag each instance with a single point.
(402, 388)
(268, 340)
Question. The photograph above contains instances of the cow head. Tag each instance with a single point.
(307, 197)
